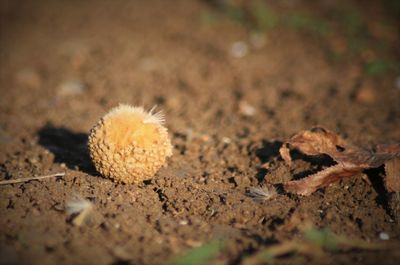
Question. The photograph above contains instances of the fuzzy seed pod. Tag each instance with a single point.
(129, 144)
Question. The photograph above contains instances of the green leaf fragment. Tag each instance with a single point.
(323, 238)
(200, 255)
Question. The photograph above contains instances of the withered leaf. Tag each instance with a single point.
(392, 169)
(350, 159)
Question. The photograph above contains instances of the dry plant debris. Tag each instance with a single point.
(350, 160)
(262, 193)
(314, 244)
(21, 180)
(79, 210)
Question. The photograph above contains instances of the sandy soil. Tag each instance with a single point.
(63, 64)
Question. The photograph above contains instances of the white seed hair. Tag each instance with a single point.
(78, 205)
(262, 193)
(146, 116)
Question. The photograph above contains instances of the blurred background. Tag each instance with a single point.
(199, 59)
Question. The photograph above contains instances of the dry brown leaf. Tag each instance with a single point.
(392, 169)
(323, 178)
(350, 159)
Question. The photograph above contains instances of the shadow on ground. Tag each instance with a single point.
(68, 147)
(268, 151)
(376, 177)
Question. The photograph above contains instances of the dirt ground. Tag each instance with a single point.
(230, 96)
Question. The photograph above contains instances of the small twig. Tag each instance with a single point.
(14, 181)
(269, 254)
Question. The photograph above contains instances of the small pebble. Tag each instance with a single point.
(183, 222)
(71, 88)
(366, 95)
(239, 49)
(193, 243)
(246, 109)
(205, 137)
(384, 236)
(226, 140)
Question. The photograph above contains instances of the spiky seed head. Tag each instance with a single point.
(129, 144)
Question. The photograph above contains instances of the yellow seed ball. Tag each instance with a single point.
(129, 144)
